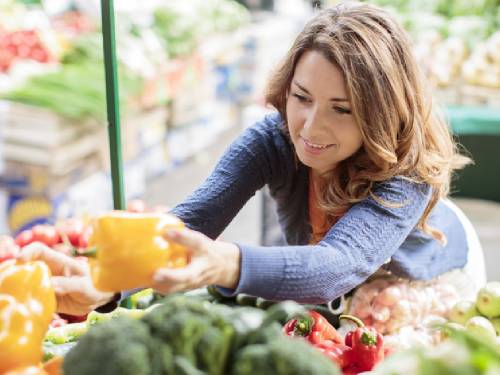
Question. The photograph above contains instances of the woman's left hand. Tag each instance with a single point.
(211, 262)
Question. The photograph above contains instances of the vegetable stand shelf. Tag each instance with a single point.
(478, 130)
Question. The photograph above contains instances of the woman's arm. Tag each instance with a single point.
(361, 241)
(252, 160)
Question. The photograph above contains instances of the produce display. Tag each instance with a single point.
(455, 42)
(483, 65)
(202, 332)
(190, 335)
(461, 353)
(389, 304)
(73, 85)
(361, 349)
(481, 316)
(76, 90)
(23, 45)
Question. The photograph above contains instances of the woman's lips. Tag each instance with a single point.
(315, 148)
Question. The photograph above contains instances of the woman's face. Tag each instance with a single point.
(319, 116)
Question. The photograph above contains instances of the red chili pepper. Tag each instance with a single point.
(367, 347)
(314, 327)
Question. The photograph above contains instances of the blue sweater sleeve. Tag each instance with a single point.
(246, 166)
(361, 241)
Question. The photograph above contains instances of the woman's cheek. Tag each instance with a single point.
(293, 120)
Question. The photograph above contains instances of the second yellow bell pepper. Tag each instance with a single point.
(130, 247)
(27, 305)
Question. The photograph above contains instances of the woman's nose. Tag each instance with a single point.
(313, 119)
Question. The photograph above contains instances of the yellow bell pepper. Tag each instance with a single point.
(27, 305)
(54, 366)
(30, 370)
(130, 247)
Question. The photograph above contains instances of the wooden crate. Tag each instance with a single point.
(40, 138)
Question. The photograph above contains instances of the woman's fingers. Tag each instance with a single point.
(186, 237)
(170, 280)
(76, 295)
(59, 264)
(69, 285)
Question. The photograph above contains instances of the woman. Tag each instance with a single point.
(357, 160)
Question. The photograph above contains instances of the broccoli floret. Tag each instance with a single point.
(283, 356)
(195, 330)
(51, 350)
(122, 346)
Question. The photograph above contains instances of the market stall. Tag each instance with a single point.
(384, 327)
(54, 138)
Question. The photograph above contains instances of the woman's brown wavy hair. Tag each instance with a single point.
(403, 135)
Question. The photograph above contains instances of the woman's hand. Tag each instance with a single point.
(211, 262)
(75, 293)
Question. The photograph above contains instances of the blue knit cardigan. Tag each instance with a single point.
(361, 242)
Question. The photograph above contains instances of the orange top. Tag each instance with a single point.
(320, 223)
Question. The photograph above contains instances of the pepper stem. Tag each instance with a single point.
(304, 326)
(353, 319)
(369, 338)
(89, 253)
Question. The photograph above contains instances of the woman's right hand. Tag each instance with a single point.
(71, 280)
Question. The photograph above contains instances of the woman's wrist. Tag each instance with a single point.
(229, 272)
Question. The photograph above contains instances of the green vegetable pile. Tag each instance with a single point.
(77, 90)
(471, 20)
(182, 27)
(190, 335)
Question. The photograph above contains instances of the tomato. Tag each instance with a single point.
(46, 234)
(83, 241)
(30, 38)
(71, 228)
(8, 248)
(39, 54)
(23, 51)
(24, 238)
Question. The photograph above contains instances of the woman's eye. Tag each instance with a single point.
(301, 98)
(342, 110)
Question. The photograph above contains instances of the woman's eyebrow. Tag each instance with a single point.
(307, 92)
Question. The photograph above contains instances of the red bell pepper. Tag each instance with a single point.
(367, 347)
(314, 327)
(338, 353)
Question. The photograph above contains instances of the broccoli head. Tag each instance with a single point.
(283, 356)
(122, 346)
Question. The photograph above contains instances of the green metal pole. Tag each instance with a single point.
(112, 102)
